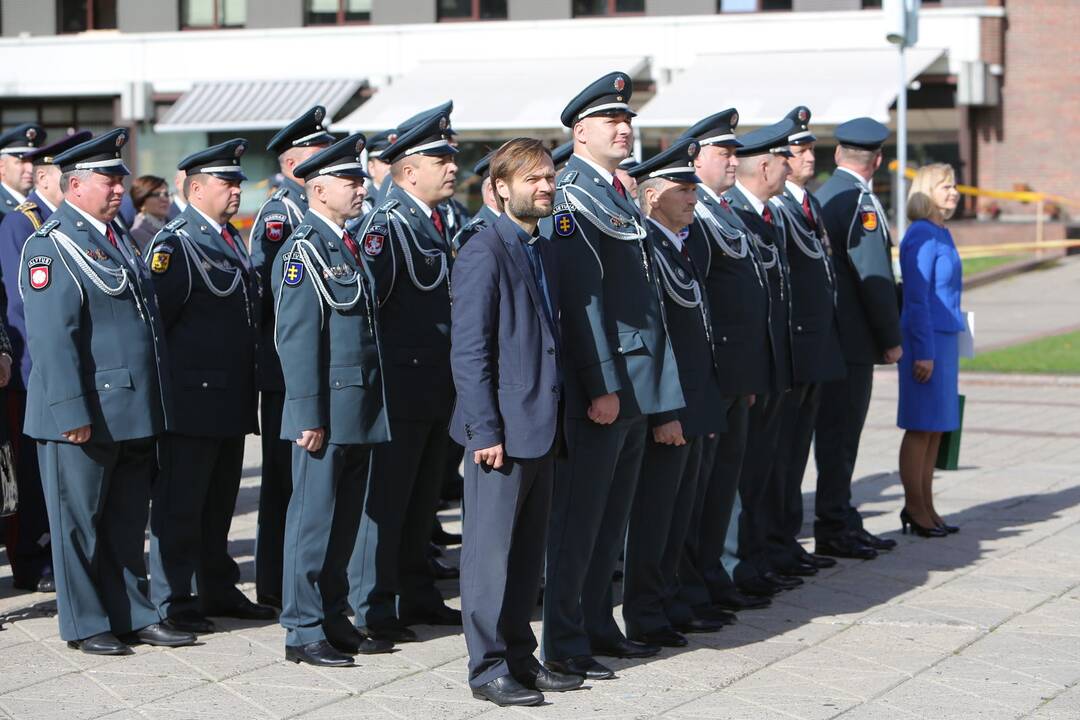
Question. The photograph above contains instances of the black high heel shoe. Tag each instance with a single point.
(906, 521)
(949, 529)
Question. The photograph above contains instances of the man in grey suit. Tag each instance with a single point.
(505, 360)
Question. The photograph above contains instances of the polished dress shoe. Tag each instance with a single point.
(102, 644)
(757, 586)
(781, 581)
(244, 609)
(844, 546)
(715, 613)
(347, 639)
(664, 637)
(701, 624)
(908, 522)
(439, 536)
(535, 676)
(161, 635)
(320, 653)
(441, 615)
(273, 601)
(582, 665)
(43, 584)
(188, 621)
(797, 569)
(505, 690)
(871, 540)
(625, 649)
(732, 599)
(442, 571)
(391, 631)
(950, 529)
(819, 561)
(47, 583)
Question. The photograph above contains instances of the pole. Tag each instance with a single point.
(901, 147)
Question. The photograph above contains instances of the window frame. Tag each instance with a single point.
(612, 11)
(474, 15)
(340, 16)
(217, 18)
(89, 19)
(757, 9)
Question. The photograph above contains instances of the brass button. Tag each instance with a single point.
(415, 361)
(206, 384)
(107, 386)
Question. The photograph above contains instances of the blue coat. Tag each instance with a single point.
(485, 218)
(94, 331)
(212, 338)
(15, 228)
(611, 314)
(329, 353)
(8, 203)
(933, 279)
(504, 353)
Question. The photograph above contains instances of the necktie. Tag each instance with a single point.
(618, 186)
(352, 246)
(229, 241)
(806, 208)
(437, 221)
(111, 235)
(766, 214)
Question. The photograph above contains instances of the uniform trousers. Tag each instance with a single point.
(593, 491)
(792, 452)
(320, 533)
(274, 492)
(28, 546)
(762, 432)
(844, 404)
(98, 499)
(502, 558)
(389, 575)
(656, 533)
(194, 498)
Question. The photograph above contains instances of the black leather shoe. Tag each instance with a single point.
(47, 584)
(701, 625)
(442, 571)
(244, 609)
(535, 676)
(950, 529)
(273, 601)
(713, 613)
(626, 649)
(582, 665)
(161, 635)
(844, 546)
(871, 540)
(441, 615)
(732, 599)
(188, 621)
(102, 644)
(391, 632)
(757, 586)
(439, 536)
(320, 653)
(781, 581)
(662, 638)
(347, 639)
(819, 561)
(505, 690)
(797, 569)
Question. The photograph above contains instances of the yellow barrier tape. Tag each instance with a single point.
(1025, 196)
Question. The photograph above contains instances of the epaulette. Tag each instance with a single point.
(279, 193)
(388, 205)
(175, 224)
(47, 228)
(474, 223)
(25, 207)
(302, 232)
(567, 179)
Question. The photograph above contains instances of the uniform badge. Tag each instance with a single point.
(869, 220)
(619, 84)
(159, 261)
(96, 254)
(275, 231)
(294, 273)
(564, 224)
(373, 244)
(39, 271)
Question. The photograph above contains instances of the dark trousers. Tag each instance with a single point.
(844, 404)
(274, 492)
(320, 533)
(656, 533)
(593, 492)
(502, 557)
(792, 452)
(718, 484)
(762, 432)
(389, 576)
(194, 499)
(28, 531)
(98, 496)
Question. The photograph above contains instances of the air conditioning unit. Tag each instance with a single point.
(976, 85)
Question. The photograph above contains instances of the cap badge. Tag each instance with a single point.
(619, 84)
(692, 150)
(391, 138)
(734, 120)
(120, 139)
(359, 146)
(31, 133)
(318, 114)
(443, 123)
(239, 150)
(803, 115)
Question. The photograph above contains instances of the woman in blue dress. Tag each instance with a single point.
(930, 323)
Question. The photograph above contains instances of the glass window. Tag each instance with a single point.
(213, 13)
(775, 4)
(104, 14)
(233, 13)
(629, 6)
(586, 8)
(492, 9)
(357, 10)
(73, 16)
(471, 9)
(335, 12)
(595, 8)
(452, 9)
(731, 6)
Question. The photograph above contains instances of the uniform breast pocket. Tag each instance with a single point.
(347, 376)
(205, 379)
(106, 380)
(629, 342)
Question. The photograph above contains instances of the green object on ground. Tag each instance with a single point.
(1055, 355)
(974, 266)
(948, 457)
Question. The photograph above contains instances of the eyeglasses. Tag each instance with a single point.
(164, 195)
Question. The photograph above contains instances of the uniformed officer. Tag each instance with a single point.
(869, 332)
(815, 349)
(208, 294)
(98, 395)
(667, 190)
(760, 175)
(328, 340)
(738, 293)
(619, 370)
(30, 555)
(179, 203)
(278, 217)
(406, 243)
(487, 214)
(16, 170)
(561, 154)
(378, 169)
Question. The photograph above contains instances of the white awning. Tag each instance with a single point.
(504, 94)
(837, 85)
(253, 104)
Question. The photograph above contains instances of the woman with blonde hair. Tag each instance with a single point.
(930, 324)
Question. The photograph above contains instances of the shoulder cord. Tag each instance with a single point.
(638, 232)
(312, 257)
(293, 210)
(191, 247)
(397, 220)
(798, 234)
(720, 234)
(91, 269)
(668, 277)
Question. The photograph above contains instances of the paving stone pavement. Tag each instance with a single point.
(983, 624)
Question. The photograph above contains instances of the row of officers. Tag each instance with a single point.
(633, 359)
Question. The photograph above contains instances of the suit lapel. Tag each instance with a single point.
(517, 253)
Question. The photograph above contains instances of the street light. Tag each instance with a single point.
(902, 30)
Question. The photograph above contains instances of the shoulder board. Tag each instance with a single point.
(279, 193)
(567, 179)
(475, 224)
(47, 228)
(302, 231)
(26, 207)
(175, 224)
(388, 205)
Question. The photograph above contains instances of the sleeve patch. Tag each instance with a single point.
(564, 224)
(374, 243)
(39, 271)
(294, 273)
(275, 230)
(159, 261)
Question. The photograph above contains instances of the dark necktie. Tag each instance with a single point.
(352, 246)
(437, 221)
(806, 208)
(111, 236)
(617, 184)
(229, 241)
(766, 214)
(685, 251)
